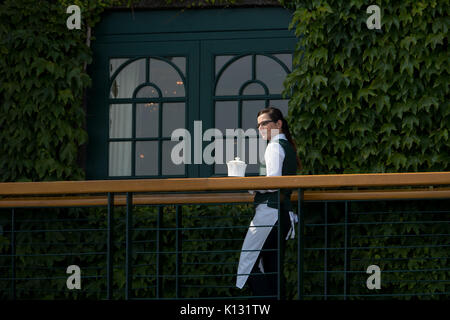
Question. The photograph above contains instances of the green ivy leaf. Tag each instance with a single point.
(410, 121)
(317, 80)
(387, 128)
(365, 93)
(65, 95)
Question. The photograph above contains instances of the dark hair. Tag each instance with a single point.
(275, 114)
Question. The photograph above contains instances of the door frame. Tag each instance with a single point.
(197, 34)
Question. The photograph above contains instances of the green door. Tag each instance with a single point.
(157, 71)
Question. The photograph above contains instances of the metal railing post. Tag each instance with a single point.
(129, 256)
(158, 254)
(13, 256)
(178, 250)
(300, 245)
(325, 256)
(346, 250)
(110, 246)
(280, 238)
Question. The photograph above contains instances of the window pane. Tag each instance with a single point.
(119, 159)
(271, 73)
(282, 105)
(120, 120)
(146, 158)
(173, 117)
(168, 167)
(180, 62)
(166, 78)
(147, 120)
(220, 62)
(234, 76)
(128, 79)
(114, 64)
(254, 89)
(250, 109)
(286, 58)
(147, 92)
(226, 115)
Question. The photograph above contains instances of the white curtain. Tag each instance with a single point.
(120, 115)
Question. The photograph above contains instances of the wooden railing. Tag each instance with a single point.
(91, 193)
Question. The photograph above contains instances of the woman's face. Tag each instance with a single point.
(268, 128)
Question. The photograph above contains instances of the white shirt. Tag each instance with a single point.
(274, 157)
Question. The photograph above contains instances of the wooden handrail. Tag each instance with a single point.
(225, 183)
(216, 198)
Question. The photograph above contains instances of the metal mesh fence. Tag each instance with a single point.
(192, 251)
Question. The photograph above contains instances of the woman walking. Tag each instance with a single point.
(258, 263)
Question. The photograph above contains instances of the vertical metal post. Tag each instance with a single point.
(178, 250)
(346, 236)
(13, 256)
(300, 244)
(110, 246)
(128, 262)
(280, 238)
(325, 258)
(158, 250)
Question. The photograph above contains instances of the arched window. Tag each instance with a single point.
(147, 101)
(244, 85)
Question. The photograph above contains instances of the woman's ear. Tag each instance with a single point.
(280, 124)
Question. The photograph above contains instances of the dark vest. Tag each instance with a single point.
(289, 168)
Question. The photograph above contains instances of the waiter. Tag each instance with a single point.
(258, 263)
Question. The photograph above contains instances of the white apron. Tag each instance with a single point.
(255, 238)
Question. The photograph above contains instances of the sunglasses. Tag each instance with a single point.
(263, 123)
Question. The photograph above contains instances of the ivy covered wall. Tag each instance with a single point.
(371, 100)
(41, 91)
(42, 84)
